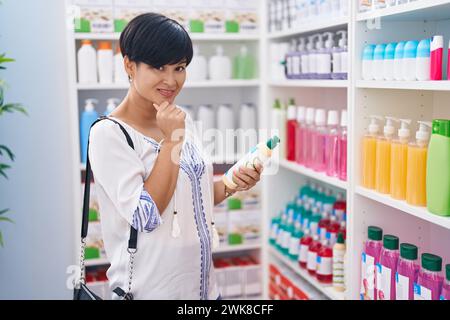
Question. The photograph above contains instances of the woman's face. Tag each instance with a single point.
(159, 84)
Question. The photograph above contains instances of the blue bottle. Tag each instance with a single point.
(88, 117)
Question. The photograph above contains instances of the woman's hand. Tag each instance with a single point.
(246, 178)
(170, 119)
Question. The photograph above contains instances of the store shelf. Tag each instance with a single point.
(417, 10)
(419, 212)
(238, 247)
(405, 85)
(96, 262)
(313, 174)
(325, 289)
(309, 83)
(194, 36)
(323, 24)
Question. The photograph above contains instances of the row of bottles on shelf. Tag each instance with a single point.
(368, 5)
(390, 274)
(101, 65)
(312, 231)
(407, 60)
(418, 171)
(221, 67)
(312, 139)
(292, 14)
(319, 58)
(107, 16)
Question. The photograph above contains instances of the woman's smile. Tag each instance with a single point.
(166, 93)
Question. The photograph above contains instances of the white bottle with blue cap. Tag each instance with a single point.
(388, 62)
(409, 60)
(378, 60)
(423, 61)
(367, 63)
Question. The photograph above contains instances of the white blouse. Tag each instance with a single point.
(165, 267)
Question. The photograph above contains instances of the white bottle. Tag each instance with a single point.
(87, 63)
(219, 66)
(398, 61)
(120, 75)
(324, 57)
(297, 59)
(378, 60)
(111, 105)
(198, 67)
(225, 125)
(105, 62)
(312, 56)
(279, 125)
(409, 61)
(344, 54)
(367, 62)
(307, 59)
(423, 61)
(388, 62)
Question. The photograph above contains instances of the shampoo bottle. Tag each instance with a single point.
(299, 142)
(105, 62)
(369, 153)
(437, 56)
(88, 117)
(219, 66)
(112, 104)
(198, 69)
(87, 63)
(342, 147)
(383, 157)
(399, 157)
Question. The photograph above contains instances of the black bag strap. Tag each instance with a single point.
(132, 242)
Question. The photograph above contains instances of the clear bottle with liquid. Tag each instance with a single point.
(383, 157)
(399, 161)
(369, 153)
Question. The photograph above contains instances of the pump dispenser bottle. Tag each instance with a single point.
(369, 153)
(399, 157)
(383, 157)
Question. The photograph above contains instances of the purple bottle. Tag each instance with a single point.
(429, 282)
(387, 268)
(370, 258)
(445, 295)
(407, 272)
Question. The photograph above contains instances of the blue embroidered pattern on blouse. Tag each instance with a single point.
(146, 218)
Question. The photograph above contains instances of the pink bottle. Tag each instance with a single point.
(333, 230)
(407, 272)
(342, 148)
(387, 268)
(448, 62)
(370, 258)
(429, 282)
(331, 150)
(445, 295)
(308, 136)
(318, 148)
(291, 128)
(437, 55)
(299, 143)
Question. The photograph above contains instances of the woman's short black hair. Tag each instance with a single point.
(156, 40)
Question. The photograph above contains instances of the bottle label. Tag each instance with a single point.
(384, 282)
(368, 277)
(402, 287)
(312, 261)
(294, 246)
(280, 236)
(286, 240)
(303, 256)
(338, 268)
(324, 266)
(421, 293)
(274, 231)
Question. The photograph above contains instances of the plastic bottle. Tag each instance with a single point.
(289, 229)
(291, 128)
(308, 136)
(274, 229)
(120, 75)
(289, 66)
(319, 136)
(437, 56)
(301, 59)
(423, 61)
(87, 63)
(369, 153)
(281, 230)
(387, 268)
(399, 161)
(206, 118)
(198, 68)
(323, 225)
(448, 64)
(105, 58)
(112, 104)
(445, 294)
(314, 221)
(88, 117)
(370, 258)
(333, 230)
(409, 60)
(294, 248)
(398, 61)
(383, 157)
(416, 172)
(313, 251)
(342, 147)
(368, 62)
(324, 51)
(299, 134)
(438, 169)
(259, 154)
(365, 5)
(388, 62)
(331, 144)
(305, 242)
(340, 207)
(312, 56)
(279, 124)
(219, 66)
(306, 71)
(407, 272)
(340, 58)
(338, 264)
(244, 65)
(378, 61)
(429, 281)
(324, 271)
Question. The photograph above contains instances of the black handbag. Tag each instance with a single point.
(81, 291)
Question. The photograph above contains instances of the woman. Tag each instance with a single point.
(164, 187)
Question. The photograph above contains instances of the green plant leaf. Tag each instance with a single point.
(3, 167)
(6, 219)
(4, 59)
(1, 240)
(4, 211)
(1, 95)
(8, 152)
(11, 107)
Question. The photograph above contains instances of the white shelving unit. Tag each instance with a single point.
(194, 36)
(405, 85)
(309, 83)
(199, 84)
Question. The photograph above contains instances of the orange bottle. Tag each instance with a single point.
(369, 148)
(416, 172)
(399, 157)
(383, 158)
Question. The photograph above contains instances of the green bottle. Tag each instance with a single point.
(294, 247)
(438, 169)
(274, 229)
(289, 228)
(244, 65)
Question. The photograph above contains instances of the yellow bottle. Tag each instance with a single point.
(416, 173)
(369, 148)
(399, 157)
(383, 158)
